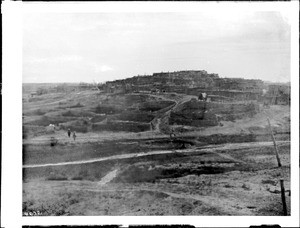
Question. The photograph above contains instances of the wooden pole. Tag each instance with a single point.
(274, 142)
(283, 197)
(279, 165)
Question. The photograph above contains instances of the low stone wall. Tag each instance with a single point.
(46, 120)
(121, 126)
(237, 95)
(143, 117)
(98, 118)
(196, 120)
(155, 105)
(232, 108)
(205, 114)
(77, 125)
(131, 99)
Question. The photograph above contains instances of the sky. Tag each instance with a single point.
(99, 47)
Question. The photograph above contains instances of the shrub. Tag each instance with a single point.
(78, 105)
(32, 99)
(77, 178)
(53, 141)
(58, 177)
(37, 112)
(41, 91)
(68, 113)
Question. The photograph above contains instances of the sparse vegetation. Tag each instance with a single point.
(217, 149)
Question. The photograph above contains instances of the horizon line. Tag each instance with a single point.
(143, 75)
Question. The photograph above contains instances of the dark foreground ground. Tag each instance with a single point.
(223, 179)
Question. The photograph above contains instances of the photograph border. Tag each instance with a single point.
(11, 187)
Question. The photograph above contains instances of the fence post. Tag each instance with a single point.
(274, 142)
(283, 197)
(279, 165)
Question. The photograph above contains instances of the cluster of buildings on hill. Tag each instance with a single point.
(185, 82)
(193, 82)
(182, 80)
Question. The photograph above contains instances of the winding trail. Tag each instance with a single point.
(163, 118)
(208, 149)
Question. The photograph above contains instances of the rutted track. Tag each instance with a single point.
(208, 149)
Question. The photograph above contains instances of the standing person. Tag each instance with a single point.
(152, 126)
(69, 132)
(74, 135)
(204, 95)
(200, 97)
(172, 134)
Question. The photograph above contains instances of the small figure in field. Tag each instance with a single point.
(172, 134)
(74, 135)
(69, 132)
(152, 126)
(202, 97)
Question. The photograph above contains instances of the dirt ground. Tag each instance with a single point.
(208, 182)
(229, 169)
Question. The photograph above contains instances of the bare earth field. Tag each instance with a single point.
(124, 162)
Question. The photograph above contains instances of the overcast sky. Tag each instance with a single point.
(106, 46)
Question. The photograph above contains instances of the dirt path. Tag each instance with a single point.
(108, 177)
(211, 148)
(163, 118)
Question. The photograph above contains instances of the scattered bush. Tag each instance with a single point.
(78, 105)
(269, 182)
(33, 99)
(246, 187)
(45, 209)
(41, 91)
(77, 178)
(53, 141)
(37, 112)
(68, 113)
(56, 178)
